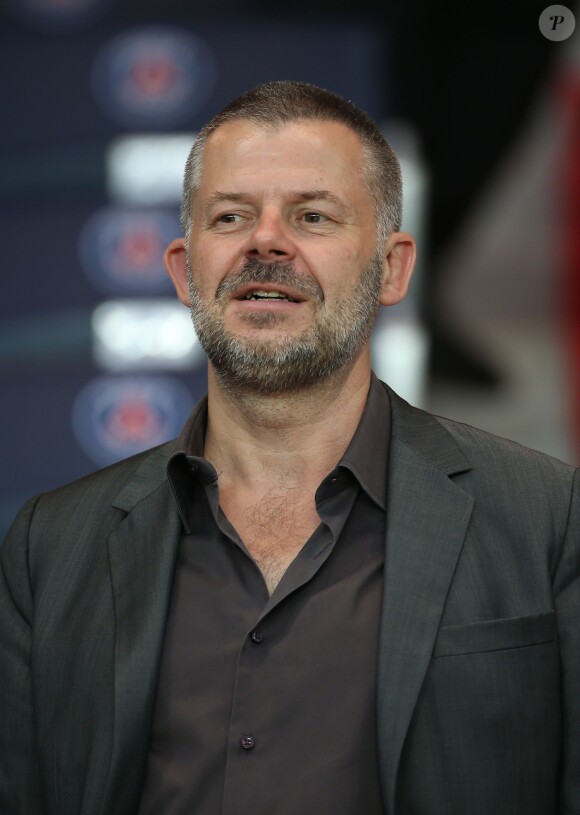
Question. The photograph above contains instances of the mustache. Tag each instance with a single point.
(284, 273)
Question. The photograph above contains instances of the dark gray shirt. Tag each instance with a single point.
(266, 704)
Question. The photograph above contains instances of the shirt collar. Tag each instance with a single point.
(187, 462)
(365, 456)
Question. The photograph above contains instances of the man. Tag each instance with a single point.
(319, 599)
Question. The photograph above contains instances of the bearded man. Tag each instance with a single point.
(318, 599)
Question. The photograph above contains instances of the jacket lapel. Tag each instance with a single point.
(142, 553)
(427, 517)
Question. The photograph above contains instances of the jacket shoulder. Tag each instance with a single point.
(515, 485)
(95, 501)
(109, 481)
(496, 450)
(504, 478)
(453, 444)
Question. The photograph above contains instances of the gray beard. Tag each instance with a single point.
(292, 364)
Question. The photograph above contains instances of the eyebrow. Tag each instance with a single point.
(320, 195)
(307, 195)
(218, 197)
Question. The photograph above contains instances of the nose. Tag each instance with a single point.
(270, 239)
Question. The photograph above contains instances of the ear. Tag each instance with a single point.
(399, 262)
(176, 265)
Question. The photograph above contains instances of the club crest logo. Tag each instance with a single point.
(154, 77)
(116, 417)
(121, 250)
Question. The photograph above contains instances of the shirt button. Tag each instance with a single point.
(257, 637)
(247, 742)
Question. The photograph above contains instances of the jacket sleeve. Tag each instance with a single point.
(567, 603)
(20, 787)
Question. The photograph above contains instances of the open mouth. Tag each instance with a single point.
(268, 295)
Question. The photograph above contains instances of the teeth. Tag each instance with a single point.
(258, 294)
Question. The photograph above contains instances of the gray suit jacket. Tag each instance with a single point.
(478, 707)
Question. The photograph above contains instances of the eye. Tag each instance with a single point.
(314, 217)
(228, 218)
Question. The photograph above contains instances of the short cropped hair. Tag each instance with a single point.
(275, 104)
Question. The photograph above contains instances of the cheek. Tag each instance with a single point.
(205, 270)
(213, 260)
(341, 272)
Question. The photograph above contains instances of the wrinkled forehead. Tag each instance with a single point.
(243, 151)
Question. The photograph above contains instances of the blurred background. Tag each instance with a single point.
(102, 100)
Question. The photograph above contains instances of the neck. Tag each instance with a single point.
(253, 438)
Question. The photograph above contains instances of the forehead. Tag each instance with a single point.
(311, 153)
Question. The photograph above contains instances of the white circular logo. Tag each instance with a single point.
(557, 23)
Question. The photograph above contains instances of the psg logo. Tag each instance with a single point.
(121, 250)
(116, 417)
(154, 77)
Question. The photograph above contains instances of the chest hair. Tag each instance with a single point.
(275, 527)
